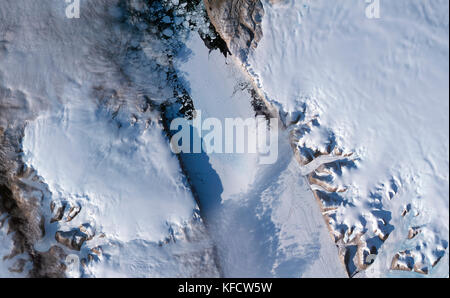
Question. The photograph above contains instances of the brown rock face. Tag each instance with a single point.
(49, 264)
(23, 208)
(238, 22)
(73, 239)
(22, 202)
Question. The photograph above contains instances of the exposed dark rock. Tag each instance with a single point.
(72, 239)
(49, 264)
(73, 212)
(58, 211)
(25, 221)
(238, 22)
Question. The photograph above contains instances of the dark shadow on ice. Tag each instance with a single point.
(204, 181)
(248, 242)
(202, 178)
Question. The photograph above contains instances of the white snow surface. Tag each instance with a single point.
(381, 87)
(127, 179)
(6, 246)
(95, 147)
(263, 218)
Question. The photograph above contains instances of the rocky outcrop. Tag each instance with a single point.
(73, 239)
(22, 202)
(405, 261)
(20, 194)
(238, 22)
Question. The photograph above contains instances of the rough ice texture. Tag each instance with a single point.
(343, 84)
(105, 181)
(263, 218)
(125, 184)
(372, 95)
(238, 22)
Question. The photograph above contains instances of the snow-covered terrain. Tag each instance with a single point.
(263, 218)
(360, 185)
(126, 181)
(6, 246)
(117, 199)
(377, 88)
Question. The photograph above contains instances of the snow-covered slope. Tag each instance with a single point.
(263, 218)
(125, 179)
(6, 246)
(82, 155)
(363, 103)
(377, 88)
(117, 199)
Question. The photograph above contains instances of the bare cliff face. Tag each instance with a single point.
(238, 22)
(21, 201)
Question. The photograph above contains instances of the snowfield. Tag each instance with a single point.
(377, 88)
(139, 158)
(117, 200)
(126, 181)
(360, 185)
(263, 218)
